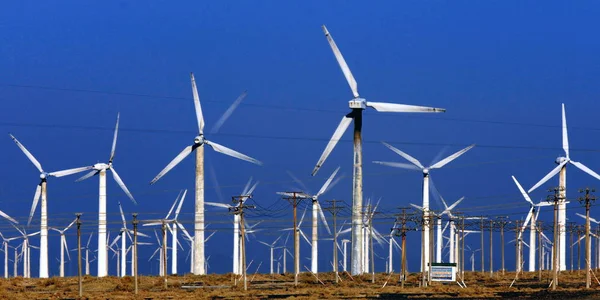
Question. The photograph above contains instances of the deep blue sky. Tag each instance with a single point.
(500, 68)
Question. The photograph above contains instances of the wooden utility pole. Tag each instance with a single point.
(80, 279)
(502, 222)
(403, 270)
(587, 198)
(134, 253)
(163, 228)
(556, 198)
(334, 209)
(238, 209)
(294, 199)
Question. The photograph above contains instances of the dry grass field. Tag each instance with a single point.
(281, 286)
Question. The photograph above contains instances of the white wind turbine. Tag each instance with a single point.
(532, 227)
(100, 169)
(5, 249)
(190, 239)
(197, 146)
(87, 254)
(272, 248)
(125, 233)
(63, 247)
(298, 233)
(562, 169)
(172, 226)
(416, 165)
(357, 105)
(317, 212)
(25, 249)
(246, 193)
(448, 211)
(40, 193)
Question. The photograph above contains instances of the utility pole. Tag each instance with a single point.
(481, 227)
(571, 228)
(579, 233)
(556, 198)
(491, 248)
(502, 221)
(80, 280)
(518, 258)
(134, 256)
(238, 209)
(588, 243)
(402, 233)
(334, 209)
(294, 200)
(164, 252)
(371, 214)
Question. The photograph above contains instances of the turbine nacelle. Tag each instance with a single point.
(358, 103)
(43, 175)
(102, 166)
(425, 172)
(199, 140)
(561, 159)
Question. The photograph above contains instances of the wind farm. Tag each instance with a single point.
(475, 108)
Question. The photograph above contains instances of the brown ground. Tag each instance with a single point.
(281, 286)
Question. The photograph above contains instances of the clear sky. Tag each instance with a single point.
(500, 68)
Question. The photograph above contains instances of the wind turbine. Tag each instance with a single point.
(532, 231)
(271, 247)
(246, 193)
(298, 233)
(357, 105)
(448, 211)
(416, 165)
(199, 141)
(562, 206)
(40, 193)
(100, 169)
(63, 247)
(191, 241)
(317, 212)
(5, 249)
(172, 226)
(25, 250)
(87, 254)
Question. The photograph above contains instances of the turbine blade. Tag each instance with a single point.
(302, 218)
(339, 131)
(529, 215)
(198, 108)
(450, 158)
(184, 231)
(218, 204)
(416, 206)
(304, 236)
(397, 165)
(186, 151)
(122, 184)
(114, 143)
(451, 207)
(36, 198)
(565, 137)
(342, 62)
(88, 175)
(249, 192)
(180, 204)
(208, 237)
(122, 215)
(173, 206)
(247, 186)
(328, 182)
(228, 112)
(403, 154)
(231, 152)
(69, 171)
(35, 162)
(582, 167)
(67, 228)
(394, 107)
(552, 173)
(323, 219)
(87, 246)
(525, 195)
(4, 215)
(66, 247)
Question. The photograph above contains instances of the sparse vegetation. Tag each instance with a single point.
(281, 286)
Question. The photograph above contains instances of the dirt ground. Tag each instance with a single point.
(261, 286)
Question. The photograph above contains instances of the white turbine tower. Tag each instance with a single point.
(272, 248)
(416, 165)
(100, 169)
(562, 169)
(40, 193)
(357, 105)
(448, 211)
(532, 230)
(317, 212)
(63, 247)
(199, 142)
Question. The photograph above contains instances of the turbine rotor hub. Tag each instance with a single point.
(199, 140)
(559, 160)
(43, 175)
(425, 172)
(358, 103)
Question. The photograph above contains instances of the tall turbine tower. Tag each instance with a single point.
(562, 207)
(40, 193)
(100, 170)
(416, 165)
(357, 105)
(199, 142)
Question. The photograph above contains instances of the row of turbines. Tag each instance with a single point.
(359, 256)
